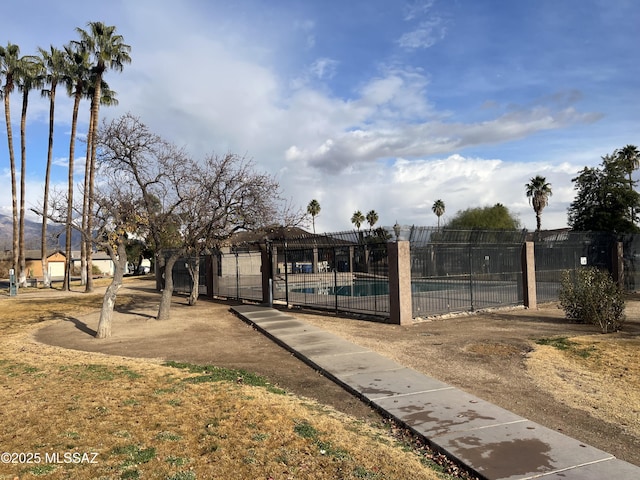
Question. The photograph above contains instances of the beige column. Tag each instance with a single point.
(400, 306)
(314, 264)
(529, 276)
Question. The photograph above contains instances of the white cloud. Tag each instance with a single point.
(405, 190)
(428, 32)
(344, 148)
(417, 8)
(324, 68)
(426, 35)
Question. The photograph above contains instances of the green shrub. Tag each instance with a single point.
(590, 295)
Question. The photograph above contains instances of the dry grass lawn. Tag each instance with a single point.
(597, 374)
(143, 419)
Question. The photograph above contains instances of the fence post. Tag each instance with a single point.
(617, 263)
(529, 293)
(265, 270)
(314, 261)
(400, 305)
(215, 274)
(211, 274)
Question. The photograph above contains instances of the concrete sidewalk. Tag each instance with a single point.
(491, 441)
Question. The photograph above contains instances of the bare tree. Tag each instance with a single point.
(118, 214)
(227, 195)
(161, 173)
(191, 207)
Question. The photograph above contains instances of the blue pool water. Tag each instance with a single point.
(367, 288)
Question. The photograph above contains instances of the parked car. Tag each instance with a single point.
(143, 269)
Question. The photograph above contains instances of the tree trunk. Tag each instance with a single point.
(85, 244)
(194, 272)
(69, 231)
(14, 184)
(109, 301)
(22, 279)
(167, 292)
(45, 200)
(93, 135)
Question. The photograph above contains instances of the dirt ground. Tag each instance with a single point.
(492, 355)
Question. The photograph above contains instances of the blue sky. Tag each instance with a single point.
(373, 104)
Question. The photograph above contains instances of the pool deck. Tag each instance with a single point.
(490, 441)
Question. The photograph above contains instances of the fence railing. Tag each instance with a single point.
(352, 278)
(451, 271)
(454, 277)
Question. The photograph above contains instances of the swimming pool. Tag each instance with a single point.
(368, 288)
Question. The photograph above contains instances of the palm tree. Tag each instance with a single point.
(77, 83)
(438, 209)
(55, 65)
(108, 51)
(10, 68)
(313, 209)
(629, 156)
(108, 97)
(30, 78)
(372, 218)
(357, 219)
(538, 192)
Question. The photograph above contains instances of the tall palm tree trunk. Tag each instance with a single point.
(72, 153)
(93, 136)
(46, 281)
(86, 242)
(14, 185)
(631, 209)
(22, 280)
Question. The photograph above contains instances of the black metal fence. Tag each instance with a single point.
(182, 282)
(344, 271)
(561, 251)
(239, 275)
(631, 261)
(453, 271)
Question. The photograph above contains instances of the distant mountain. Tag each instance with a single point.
(32, 232)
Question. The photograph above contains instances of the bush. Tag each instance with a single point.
(590, 295)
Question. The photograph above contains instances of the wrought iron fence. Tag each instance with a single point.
(182, 282)
(239, 275)
(453, 271)
(631, 259)
(344, 271)
(557, 252)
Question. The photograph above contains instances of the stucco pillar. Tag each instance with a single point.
(529, 293)
(400, 305)
(314, 261)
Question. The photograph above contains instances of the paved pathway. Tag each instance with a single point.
(493, 442)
